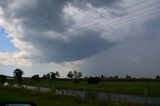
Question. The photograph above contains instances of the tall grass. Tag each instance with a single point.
(51, 99)
(131, 87)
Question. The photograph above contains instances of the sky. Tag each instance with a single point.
(5, 43)
(95, 37)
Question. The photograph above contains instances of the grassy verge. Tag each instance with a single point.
(51, 99)
(132, 88)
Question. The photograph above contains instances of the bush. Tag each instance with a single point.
(157, 78)
(76, 81)
(3, 78)
(93, 80)
(35, 78)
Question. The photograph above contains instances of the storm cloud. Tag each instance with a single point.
(77, 48)
(93, 36)
(37, 19)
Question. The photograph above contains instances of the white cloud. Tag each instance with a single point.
(14, 32)
(14, 58)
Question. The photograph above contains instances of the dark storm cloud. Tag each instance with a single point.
(139, 56)
(138, 59)
(77, 48)
(100, 53)
(48, 15)
(98, 3)
(152, 28)
(4, 3)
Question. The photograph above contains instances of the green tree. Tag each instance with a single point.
(128, 77)
(57, 74)
(157, 78)
(102, 77)
(79, 75)
(18, 75)
(70, 75)
(116, 77)
(48, 75)
(3, 78)
(53, 76)
(76, 74)
(44, 77)
(35, 78)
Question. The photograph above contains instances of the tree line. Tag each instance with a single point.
(75, 76)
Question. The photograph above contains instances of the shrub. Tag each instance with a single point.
(35, 78)
(76, 81)
(3, 78)
(93, 80)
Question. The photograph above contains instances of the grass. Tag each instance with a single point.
(131, 88)
(51, 99)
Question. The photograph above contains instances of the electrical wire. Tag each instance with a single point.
(111, 20)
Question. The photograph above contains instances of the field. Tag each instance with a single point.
(126, 87)
(51, 99)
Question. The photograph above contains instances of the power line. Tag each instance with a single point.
(138, 3)
(47, 16)
(127, 20)
(133, 16)
(111, 20)
(118, 13)
(138, 18)
(124, 20)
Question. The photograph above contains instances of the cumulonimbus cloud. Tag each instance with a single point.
(36, 18)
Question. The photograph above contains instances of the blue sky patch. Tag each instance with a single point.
(5, 43)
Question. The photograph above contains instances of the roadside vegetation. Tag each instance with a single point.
(124, 87)
(51, 99)
(114, 84)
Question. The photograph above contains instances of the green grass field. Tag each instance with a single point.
(50, 99)
(132, 87)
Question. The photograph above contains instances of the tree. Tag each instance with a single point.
(44, 77)
(116, 77)
(128, 77)
(53, 76)
(48, 76)
(18, 75)
(77, 75)
(93, 80)
(70, 75)
(157, 78)
(74, 75)
(57, 74)
(102, 76)
(35, 77)
(3, 78)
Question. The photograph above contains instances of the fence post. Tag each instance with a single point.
(53, 89)
(109, 97)
(85, 94)
(145, 96)
(62, 93)
(39, 88)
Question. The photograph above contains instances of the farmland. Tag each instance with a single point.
(125, 87)
(51, 99)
